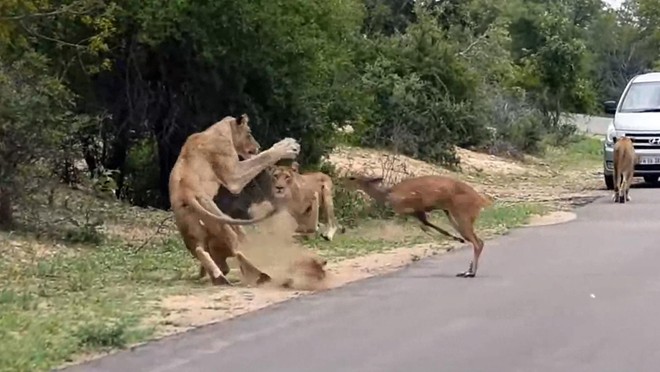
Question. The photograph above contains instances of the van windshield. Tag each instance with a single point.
(642, 97)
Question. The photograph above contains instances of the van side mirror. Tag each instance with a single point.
(609, 107)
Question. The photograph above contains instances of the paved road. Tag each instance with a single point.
(530, 309)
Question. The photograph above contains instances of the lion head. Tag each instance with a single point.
(283, 179)
(244, 143)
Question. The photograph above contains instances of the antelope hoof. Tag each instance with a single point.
(263, 278)
(466, 274)
(221, 280)
(329, 234)
(459, 239)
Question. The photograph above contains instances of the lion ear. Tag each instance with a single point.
(295, 166)
(243, 119)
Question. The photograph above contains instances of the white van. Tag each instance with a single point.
(636, 115)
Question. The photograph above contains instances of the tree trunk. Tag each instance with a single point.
(6, 211)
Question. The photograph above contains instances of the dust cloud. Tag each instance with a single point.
(272, 247)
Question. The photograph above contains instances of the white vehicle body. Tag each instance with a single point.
(636, 115)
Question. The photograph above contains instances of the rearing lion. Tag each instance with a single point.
(208, 160)
(306, 194)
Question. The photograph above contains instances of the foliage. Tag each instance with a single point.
(121, 85)
(34, 117)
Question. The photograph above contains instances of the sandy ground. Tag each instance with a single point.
(273, 249)
(183, 312)
(552, 218)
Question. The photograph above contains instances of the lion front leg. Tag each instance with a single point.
(329, 208)
(246, 170)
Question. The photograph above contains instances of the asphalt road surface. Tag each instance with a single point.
(579, 296)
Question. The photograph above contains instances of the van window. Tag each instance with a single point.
(642, 97)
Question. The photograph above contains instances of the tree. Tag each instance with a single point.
(553, 59)
(34, 118)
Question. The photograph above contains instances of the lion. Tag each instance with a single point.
(306, 195)
(624, 168)
(208, 160)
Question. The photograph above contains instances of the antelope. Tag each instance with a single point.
(419, 195)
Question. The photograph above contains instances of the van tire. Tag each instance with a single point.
(609, 182)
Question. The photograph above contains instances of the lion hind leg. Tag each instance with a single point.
(329, 208)
(210, 267)
(617, 181)
(629, 178)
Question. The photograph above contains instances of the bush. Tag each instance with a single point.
(141, 175)
(517, 127)
(424, 96)
(351, 206)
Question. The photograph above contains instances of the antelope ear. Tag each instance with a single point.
(243, 119)
(295, 167)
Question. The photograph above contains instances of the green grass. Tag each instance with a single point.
(92, 301)
(582, 152)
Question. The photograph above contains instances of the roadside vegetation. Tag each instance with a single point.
(97, 97)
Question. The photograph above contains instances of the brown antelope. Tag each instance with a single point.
(419, 195)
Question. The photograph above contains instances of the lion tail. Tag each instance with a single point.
(219, 216)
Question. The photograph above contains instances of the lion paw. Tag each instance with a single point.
(263, 278)
(287, 148)
(221, 280)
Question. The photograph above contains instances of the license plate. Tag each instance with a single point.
(649, 160)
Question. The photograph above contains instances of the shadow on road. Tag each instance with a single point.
(645, 185)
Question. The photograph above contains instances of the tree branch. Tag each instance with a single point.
(478, 40)
(66, 9)
(61, 42)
